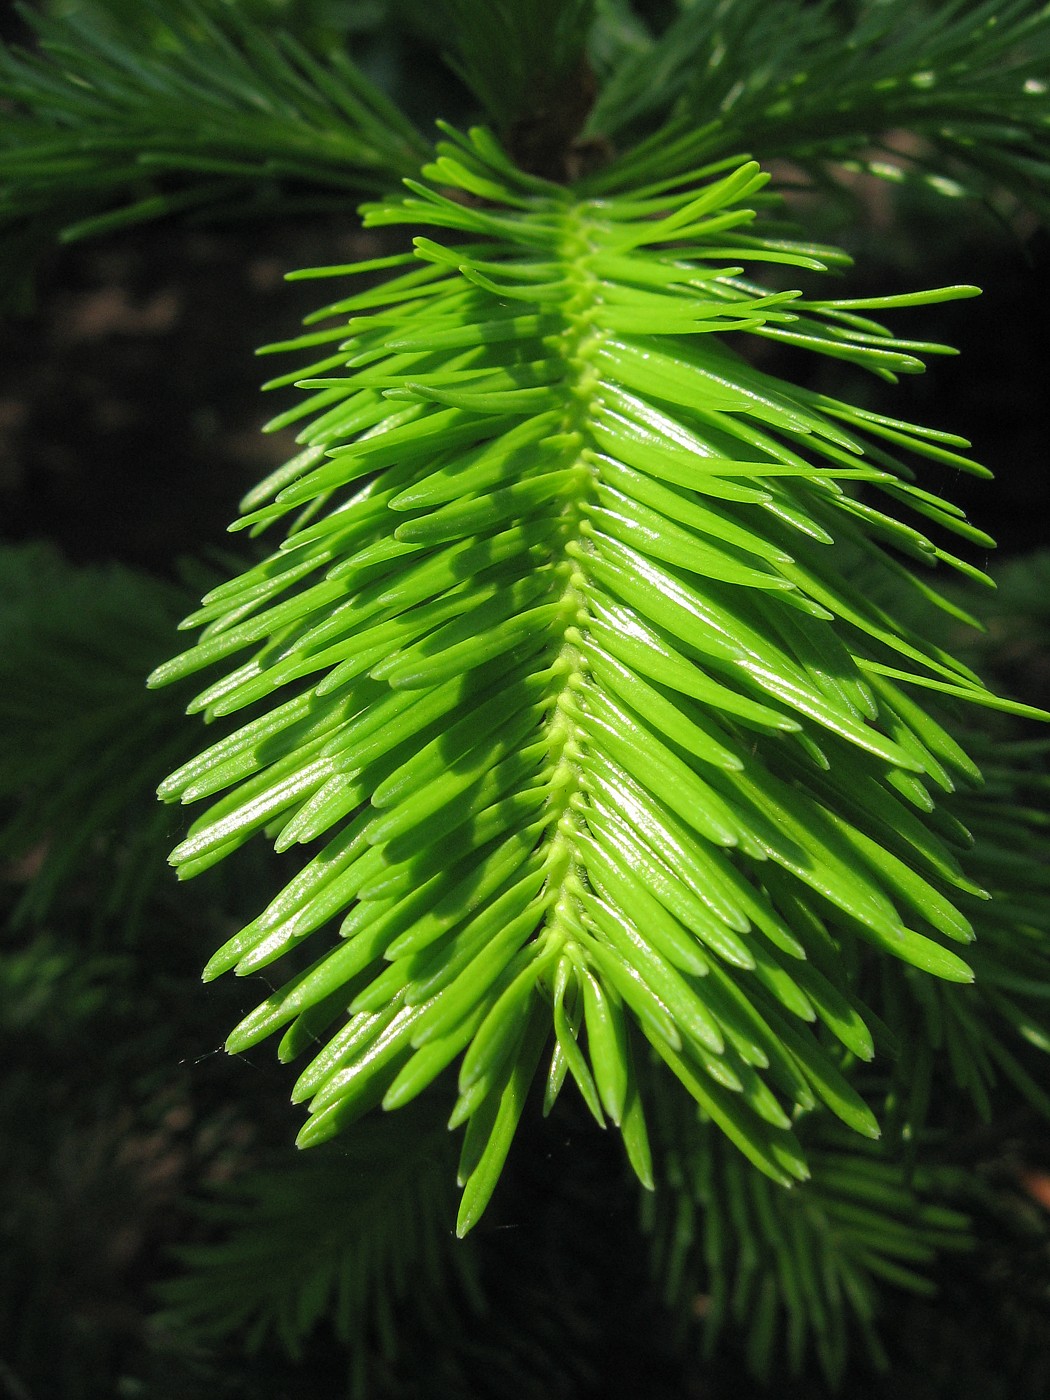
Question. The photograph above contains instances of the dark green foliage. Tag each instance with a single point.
(527, 66)
(193, 107)
(102, 1131)
(352, 1236)
(87, 746)
(796, 1269)
(825, 82)
(112, 124)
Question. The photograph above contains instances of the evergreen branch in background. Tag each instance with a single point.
(84, 745)
(184, 107)
(1017, 624)
(826, 82)
(980, 1038)
(117, 118)
(528, 67)
(983, 1038)
(795, 1270)
(560, 659)
(348, 1238)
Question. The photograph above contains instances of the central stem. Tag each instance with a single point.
(576, 345)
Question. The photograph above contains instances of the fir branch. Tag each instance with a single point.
(560, 661)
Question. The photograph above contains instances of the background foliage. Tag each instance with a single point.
(111, 1149)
